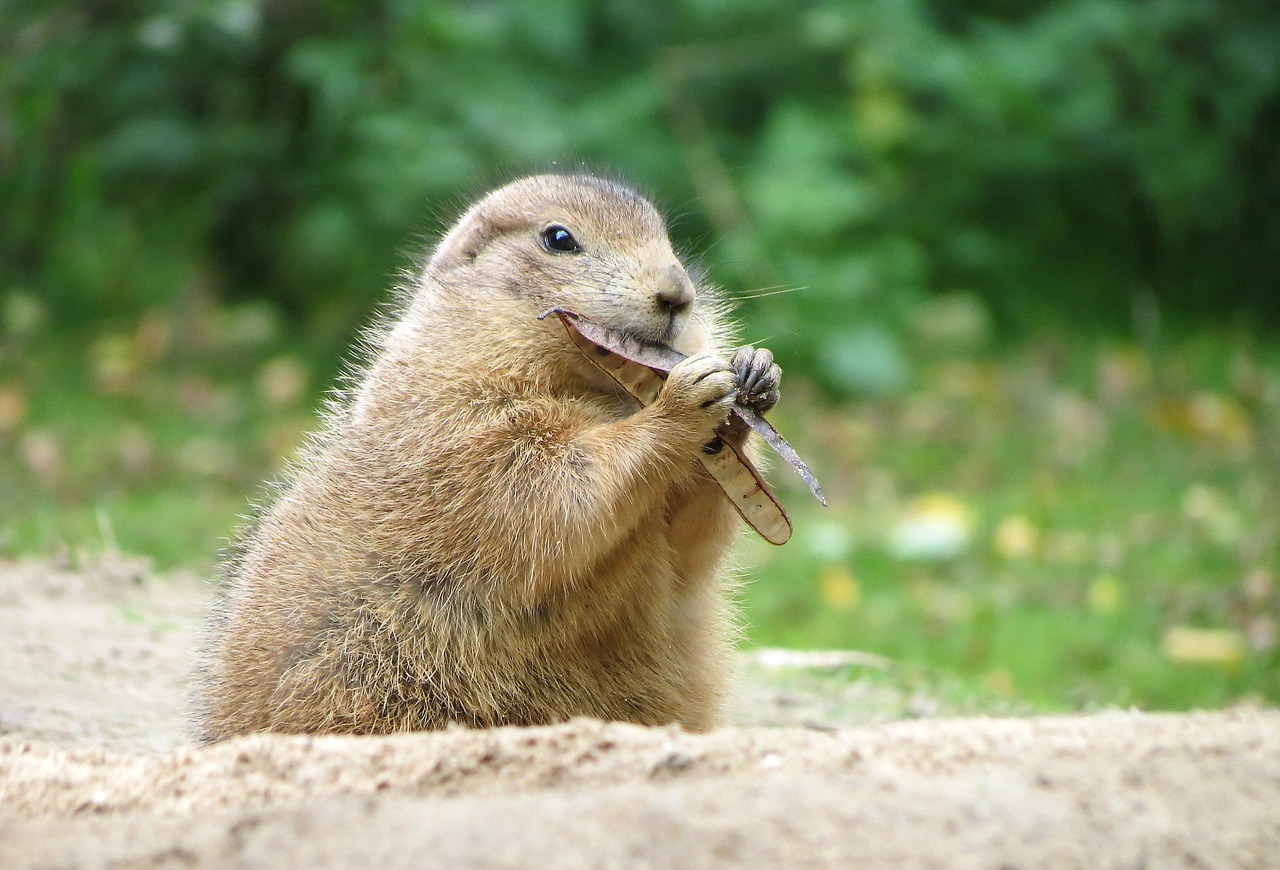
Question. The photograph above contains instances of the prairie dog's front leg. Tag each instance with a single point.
(698, 395)
(658, 446)
(585, 494)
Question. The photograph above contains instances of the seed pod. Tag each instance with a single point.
(640, 367)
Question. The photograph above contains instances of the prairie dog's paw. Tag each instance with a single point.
(701, 388)
(758, 378)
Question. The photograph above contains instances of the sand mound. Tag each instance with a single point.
(96, 777)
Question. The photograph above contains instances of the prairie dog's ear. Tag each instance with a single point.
(469, 236)
(461, 245)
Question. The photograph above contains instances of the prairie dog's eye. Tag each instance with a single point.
(559, 240)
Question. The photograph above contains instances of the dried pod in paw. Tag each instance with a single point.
(640, 367)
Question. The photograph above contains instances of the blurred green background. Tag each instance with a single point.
(1019, 261)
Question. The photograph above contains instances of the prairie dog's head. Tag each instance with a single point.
(587, 244)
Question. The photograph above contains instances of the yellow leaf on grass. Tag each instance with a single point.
(840, 591)
(1206, 417)
(1015, 537)
(13, 406)
(934, 526)
(999, 682)
(1104, 594)
(1204, 646)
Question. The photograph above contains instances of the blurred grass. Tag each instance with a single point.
(1058, 524)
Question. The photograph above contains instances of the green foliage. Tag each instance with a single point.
(200, 199)
(1048, 157)
(1071, 525)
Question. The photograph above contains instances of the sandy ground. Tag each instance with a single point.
(96, 771)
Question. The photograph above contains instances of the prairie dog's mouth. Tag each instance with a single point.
(661, 335)
(662, 340)
(647, 324)
(669, 332)
(662, 331)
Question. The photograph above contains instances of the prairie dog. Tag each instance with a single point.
(488, 531)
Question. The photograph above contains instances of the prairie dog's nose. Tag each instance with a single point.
(675, 290)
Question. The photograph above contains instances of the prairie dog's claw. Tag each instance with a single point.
(758, 378)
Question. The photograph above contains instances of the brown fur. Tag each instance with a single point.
(488, 531)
